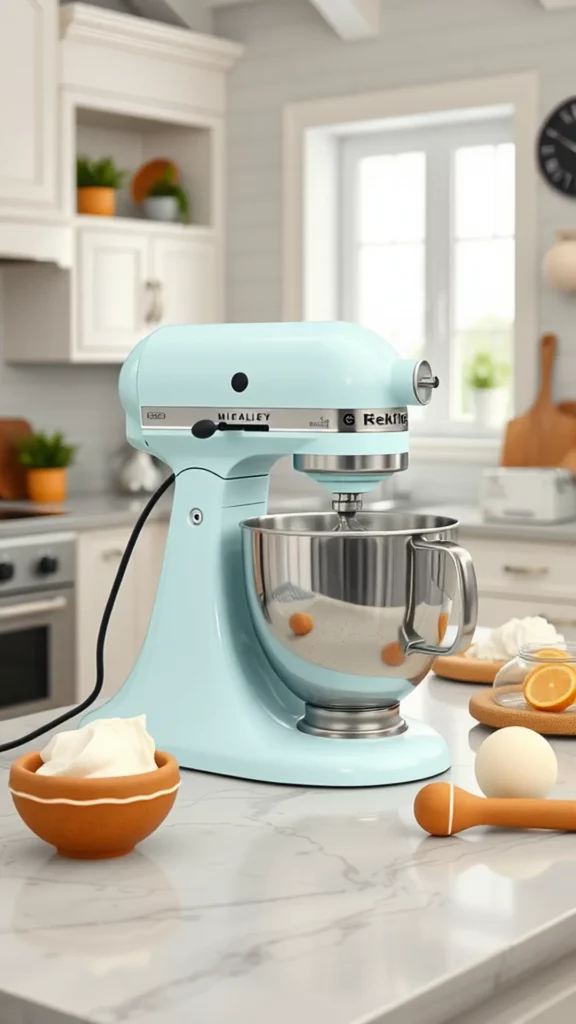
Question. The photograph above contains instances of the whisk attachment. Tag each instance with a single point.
(346, 506)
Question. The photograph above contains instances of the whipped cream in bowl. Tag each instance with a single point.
(106, 748)
(504, 643)
(95, 792)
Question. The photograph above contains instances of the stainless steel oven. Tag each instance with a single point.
(37, 634)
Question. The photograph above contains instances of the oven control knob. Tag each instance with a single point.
(6, 571)
(47, 565)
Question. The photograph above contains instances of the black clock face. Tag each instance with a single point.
(557, 148)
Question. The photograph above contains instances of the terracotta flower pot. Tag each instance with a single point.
(93, 819)
(97, 201)
(46, 485)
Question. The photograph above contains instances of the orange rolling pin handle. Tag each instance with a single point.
(443, 809)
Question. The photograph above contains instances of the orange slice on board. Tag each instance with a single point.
(551, 687)
(392, 655)
(301, 624)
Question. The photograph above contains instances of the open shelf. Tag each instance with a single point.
(138, 223)
(132, 141)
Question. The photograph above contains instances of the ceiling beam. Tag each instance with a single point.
(557, 5)
(351, 19)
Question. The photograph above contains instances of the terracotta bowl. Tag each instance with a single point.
(91, 819)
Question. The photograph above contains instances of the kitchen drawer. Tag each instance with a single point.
(495, 611)
(523, 569)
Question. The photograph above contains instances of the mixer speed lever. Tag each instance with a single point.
(206, 428)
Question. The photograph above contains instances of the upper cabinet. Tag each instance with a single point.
(28, 91)
(135, 91)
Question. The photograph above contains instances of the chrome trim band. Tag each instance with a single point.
(355, 464)
(351, 723)
(322, 421)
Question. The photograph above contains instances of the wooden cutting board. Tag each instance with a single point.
(12, 473)
(544, 435)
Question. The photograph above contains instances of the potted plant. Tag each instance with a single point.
(487, 380)
(97, 182)
(167, 200)
(46, 458)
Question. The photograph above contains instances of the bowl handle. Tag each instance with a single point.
(467, 589)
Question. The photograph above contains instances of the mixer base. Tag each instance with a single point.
(356, 724)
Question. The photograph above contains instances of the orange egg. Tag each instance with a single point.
(301, 624)
(392, 655)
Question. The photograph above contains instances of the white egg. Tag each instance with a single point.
(516, 762)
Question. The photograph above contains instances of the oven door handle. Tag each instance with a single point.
(20, 611)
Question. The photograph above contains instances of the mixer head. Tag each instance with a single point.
(234, 398)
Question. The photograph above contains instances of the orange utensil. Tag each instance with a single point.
(544, 435)
(443, 809)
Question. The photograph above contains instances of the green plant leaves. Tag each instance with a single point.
(98, 173)
(44, 451)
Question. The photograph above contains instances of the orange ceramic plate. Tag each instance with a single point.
(148, 175)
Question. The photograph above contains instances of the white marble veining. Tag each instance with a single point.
(267, 905)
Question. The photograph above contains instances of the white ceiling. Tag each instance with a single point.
(350, 19)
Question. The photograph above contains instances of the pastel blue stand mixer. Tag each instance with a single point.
(280, 646)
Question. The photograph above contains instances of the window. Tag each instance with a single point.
(427, 255)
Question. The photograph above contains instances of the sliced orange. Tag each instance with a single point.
(551, 687)
(551, 652)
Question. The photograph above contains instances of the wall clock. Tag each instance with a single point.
(557, 148)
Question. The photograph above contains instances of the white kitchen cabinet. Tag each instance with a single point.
(98, 557)
(111, 286)
(520, 578)
(28, 95)
(184, 271)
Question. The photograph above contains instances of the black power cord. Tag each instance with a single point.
(103, 627)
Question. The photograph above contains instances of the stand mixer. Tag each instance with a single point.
(226, 683)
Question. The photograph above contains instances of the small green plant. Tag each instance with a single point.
(44, 451)
(167, 186)
(485, 373)
(98, 173)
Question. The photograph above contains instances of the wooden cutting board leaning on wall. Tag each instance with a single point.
(544, 435)
(12, 472)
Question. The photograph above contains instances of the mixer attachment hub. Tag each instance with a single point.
(352, 723)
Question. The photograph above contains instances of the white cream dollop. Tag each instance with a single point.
(102, 749)
(505, 642)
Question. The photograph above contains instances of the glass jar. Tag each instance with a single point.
(509, 683)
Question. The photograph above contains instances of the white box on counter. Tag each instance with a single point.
(529, 495)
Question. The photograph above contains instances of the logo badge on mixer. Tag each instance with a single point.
(349, 419)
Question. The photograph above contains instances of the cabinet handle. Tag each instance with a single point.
(17, 611)
(527, 570)
(112, 553)
(150, 295)
(159, 301)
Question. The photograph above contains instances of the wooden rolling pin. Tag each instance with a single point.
(443, 809)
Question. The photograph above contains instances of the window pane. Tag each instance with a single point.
(392, 196)
(485, 341)
(391, 294)
(484, 283)
(484, 180)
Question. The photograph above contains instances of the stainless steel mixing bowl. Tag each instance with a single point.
(377, 602)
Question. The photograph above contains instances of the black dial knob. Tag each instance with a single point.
(6, 571)
(47, 565)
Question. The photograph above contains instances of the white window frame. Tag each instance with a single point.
(439, 141)
(312, 131)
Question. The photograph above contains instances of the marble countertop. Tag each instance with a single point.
(105, 511)
(82, 512)
(259, 904)
(472, 523)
